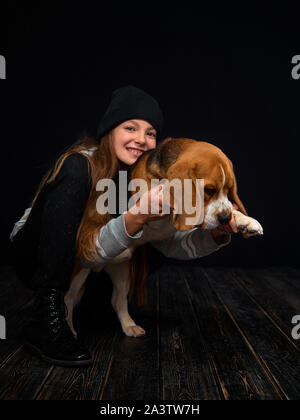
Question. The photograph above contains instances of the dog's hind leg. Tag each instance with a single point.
(119, 274)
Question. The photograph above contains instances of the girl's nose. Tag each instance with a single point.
(140, 139)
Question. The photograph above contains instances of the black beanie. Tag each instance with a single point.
(128, 103)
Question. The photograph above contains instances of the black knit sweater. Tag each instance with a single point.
(43, 251)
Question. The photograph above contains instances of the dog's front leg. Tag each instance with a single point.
(247, 225)
(119, 274)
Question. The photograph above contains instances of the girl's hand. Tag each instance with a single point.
(143, 206)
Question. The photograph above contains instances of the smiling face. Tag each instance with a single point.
(132, 138)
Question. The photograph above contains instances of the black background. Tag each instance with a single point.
(220, 75)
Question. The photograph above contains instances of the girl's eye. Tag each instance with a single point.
(133, 129)
(152, 134)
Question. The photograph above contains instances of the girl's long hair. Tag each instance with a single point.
(103, 163)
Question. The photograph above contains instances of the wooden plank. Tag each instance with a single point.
(84, 383)
(193, 365)
(276, 298)
(289, 275)
(238, 371)
(21, 375)
(97, 325)
(26, 377)
(279, 358)
(134, 371)
(187, 370)
(109, 346)
(280, 282)
(293, 271)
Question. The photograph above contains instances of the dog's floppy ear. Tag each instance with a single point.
(182, 219)
(233, 196)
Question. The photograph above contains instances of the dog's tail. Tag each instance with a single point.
(139, 269)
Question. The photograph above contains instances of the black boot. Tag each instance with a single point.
(49, 335)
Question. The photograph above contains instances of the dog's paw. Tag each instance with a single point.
(134, 331)
(247, 225)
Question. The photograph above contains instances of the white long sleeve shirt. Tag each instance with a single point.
(113, 239)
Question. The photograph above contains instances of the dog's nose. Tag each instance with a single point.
(223, 218)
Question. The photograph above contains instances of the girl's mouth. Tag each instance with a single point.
(134, 152)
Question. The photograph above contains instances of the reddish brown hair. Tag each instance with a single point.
(103, 163)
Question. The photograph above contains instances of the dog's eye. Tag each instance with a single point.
(210, 191)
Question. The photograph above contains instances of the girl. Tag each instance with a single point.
(63, 223)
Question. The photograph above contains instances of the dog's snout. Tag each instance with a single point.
(223, 218)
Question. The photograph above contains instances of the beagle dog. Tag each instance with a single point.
(173, 158)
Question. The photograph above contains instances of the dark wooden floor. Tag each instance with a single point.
(222, 333)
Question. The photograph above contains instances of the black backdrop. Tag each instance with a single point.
(222, 76)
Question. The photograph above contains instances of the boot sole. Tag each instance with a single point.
(37, 352)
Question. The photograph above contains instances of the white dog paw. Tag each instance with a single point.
(134, 331)
(247, 225)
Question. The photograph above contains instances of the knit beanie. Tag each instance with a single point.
(128, 103)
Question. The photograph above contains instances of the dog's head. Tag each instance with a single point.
(188, 159)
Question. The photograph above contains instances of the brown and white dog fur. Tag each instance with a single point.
(173, 158)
